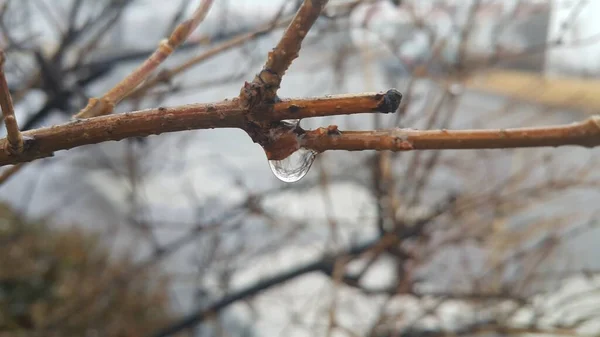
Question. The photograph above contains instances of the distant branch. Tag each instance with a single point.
(14, 143)
(167, 74)
(105, 104)
(324, 264)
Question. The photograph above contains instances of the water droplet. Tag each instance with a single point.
(291, 122)
(294, 167)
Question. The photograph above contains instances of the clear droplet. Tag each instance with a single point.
(291, 122)
(294, 167)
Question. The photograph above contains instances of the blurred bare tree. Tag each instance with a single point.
(372, 243)
(45, 272)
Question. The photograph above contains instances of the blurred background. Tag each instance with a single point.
(126, 238)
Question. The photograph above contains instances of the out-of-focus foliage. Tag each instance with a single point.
(54, 282)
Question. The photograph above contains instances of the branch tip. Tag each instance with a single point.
(14, 137)
(390, 101)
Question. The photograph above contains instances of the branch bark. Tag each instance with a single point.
(585, 133)
(44, 142)
(263, 88)
(106, 104)
(14, 143)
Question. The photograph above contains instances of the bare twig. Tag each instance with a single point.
(8, 173)
(263, 88)
(14, 138)
(168, 74)
(586, 133)
(105, 104)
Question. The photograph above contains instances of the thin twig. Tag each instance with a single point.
(324, 265)
(9, 172)
(105, 104)
(14, 138)
(585, 133)
(167, 74)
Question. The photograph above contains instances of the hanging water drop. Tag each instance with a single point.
(294, 167)
(291, 122)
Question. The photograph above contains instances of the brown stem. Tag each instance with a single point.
(585, 133)
(105, 104)
(282, 140)
(266, 83)
(9, 172)
(334, 105)
(44, 142)
(168, 74)
(227, 114)
(13, 135)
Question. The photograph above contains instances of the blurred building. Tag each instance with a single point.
(501, 33)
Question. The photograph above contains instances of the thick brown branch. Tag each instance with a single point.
(15, 139)
(45, 141)
(586, 133)
(266, 83)
(227, 114)
(283, 140)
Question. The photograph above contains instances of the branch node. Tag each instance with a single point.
(96, 107)
(164, 46)
(251, 95)
(269, 78)
(14, 145)
(282, 140)
(333, 130)
(279, 59)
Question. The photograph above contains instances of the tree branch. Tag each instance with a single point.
(585, 133)
(324, 264)
(106, 103)
(44, 142)
(285, 139)
(237, 40)
(14, 143)
(9, 172)
(263, 88)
